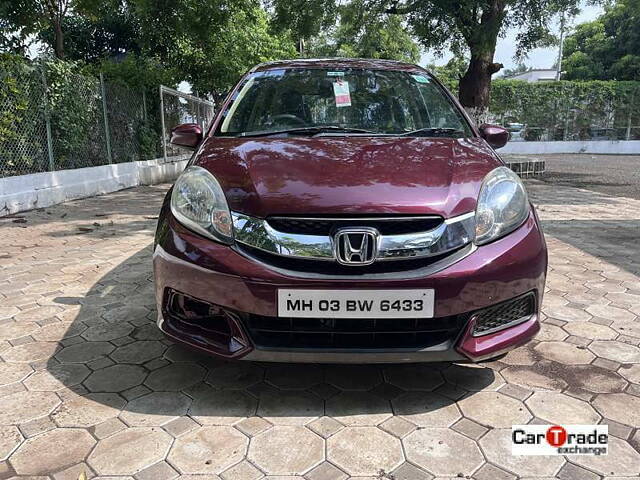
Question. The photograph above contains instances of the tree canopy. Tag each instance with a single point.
(607, 48)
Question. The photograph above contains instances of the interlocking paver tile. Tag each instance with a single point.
(115, 378)
(560, 408)
(494, 409)
(426, 409)
(221, 407)
(21, 407)
(42, 455)
(361, 451)
(617, 351)
(414, 377)
(353, 377)
(57, 377)
(621, 407)
(129, 451)
(294, 376)
(10, 438)
(13, 372)
(358, 409)
(235, 375)
(473, 378)
(622, 460)
(438, 452)
(566, 353)
(271, 450)
(533, 377)
(89, 410)
(84, 352)
(290, 408)
(30, 352)
(155, 409)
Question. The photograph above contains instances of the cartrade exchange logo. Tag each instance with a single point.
(559, 440)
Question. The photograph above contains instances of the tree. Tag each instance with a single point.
(25, 18)
(305, 19)
(361, 33)
(451, 72)
(607, 48)
(473, 27)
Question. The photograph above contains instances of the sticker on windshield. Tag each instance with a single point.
(335, 74)
(420, 78)
(341, 92)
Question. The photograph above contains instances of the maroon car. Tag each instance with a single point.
(347, 211)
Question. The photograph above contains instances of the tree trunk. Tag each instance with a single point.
(59, 38)
(474, 89)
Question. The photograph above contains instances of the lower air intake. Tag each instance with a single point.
(504, 315)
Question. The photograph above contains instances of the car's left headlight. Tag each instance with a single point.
(502, 207)
(198, 202)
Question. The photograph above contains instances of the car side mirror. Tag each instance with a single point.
(188, 135)
(495, 135)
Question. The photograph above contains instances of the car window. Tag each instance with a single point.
(377, 101)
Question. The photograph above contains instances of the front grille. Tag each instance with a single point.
(504, 314)
(397, 225)
(333, 333)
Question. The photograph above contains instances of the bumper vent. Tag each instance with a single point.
(505, 314)
(332, 333)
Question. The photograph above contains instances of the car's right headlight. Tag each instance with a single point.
(502, 207)
(198, 202)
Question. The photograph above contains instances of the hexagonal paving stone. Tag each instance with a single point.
(622, 460)
(595, 379)
(271, 450)
(208, 450)
(619, 407)
(630, 372)
(610, 313)
(520, 356)
(57, 377)
(175, 377)
(292, 376)
(353, 377)
(23, 406)
(10, 438)
(138, 352)
(561, 409)
(426, 409)
(11, 330)
(221, 407)
(115, 378)
(52, 451)
(30, 352)
(567, 314)
(363, 451)
(629, 328)
(591, 330)
(565, 353)
(235, 375)
(616, 351)
(494, 409)
(105, 332)
(442, 452)
(84, 352)
(88, 410)
(54, 332)
(290, 408)
(358, 408)
(155, 409)
(496, 445)
(129, 451)
(551, 333)
(533, 377)
(473, 377)
(414, 377)
(13, 372)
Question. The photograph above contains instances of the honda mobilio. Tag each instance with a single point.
(347, 211)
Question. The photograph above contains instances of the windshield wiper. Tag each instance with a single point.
(435, 132)
(306, 131)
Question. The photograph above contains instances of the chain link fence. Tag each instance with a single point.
(179, 107)
(52, 120)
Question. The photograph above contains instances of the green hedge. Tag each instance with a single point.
(569, 110)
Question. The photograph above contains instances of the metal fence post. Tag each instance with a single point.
(633, 98)
(106, 118)
(164, 138)
(144, 105)
(47, 121)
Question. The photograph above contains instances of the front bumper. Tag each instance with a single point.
(241, 286)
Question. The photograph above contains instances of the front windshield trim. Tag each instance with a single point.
(466, 126)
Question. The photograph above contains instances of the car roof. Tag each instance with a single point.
(370, 63)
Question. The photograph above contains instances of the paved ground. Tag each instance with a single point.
(617, 175)
(87, 384)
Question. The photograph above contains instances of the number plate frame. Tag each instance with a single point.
(308, 303)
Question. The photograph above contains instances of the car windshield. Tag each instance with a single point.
(342, 102)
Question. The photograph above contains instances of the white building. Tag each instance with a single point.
(536, 75)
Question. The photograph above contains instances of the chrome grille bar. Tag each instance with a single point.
(450, 235)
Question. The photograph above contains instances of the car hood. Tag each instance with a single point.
(348, 175)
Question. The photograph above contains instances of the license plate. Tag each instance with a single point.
(355, 303)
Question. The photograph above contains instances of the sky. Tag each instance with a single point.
(538, 58)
